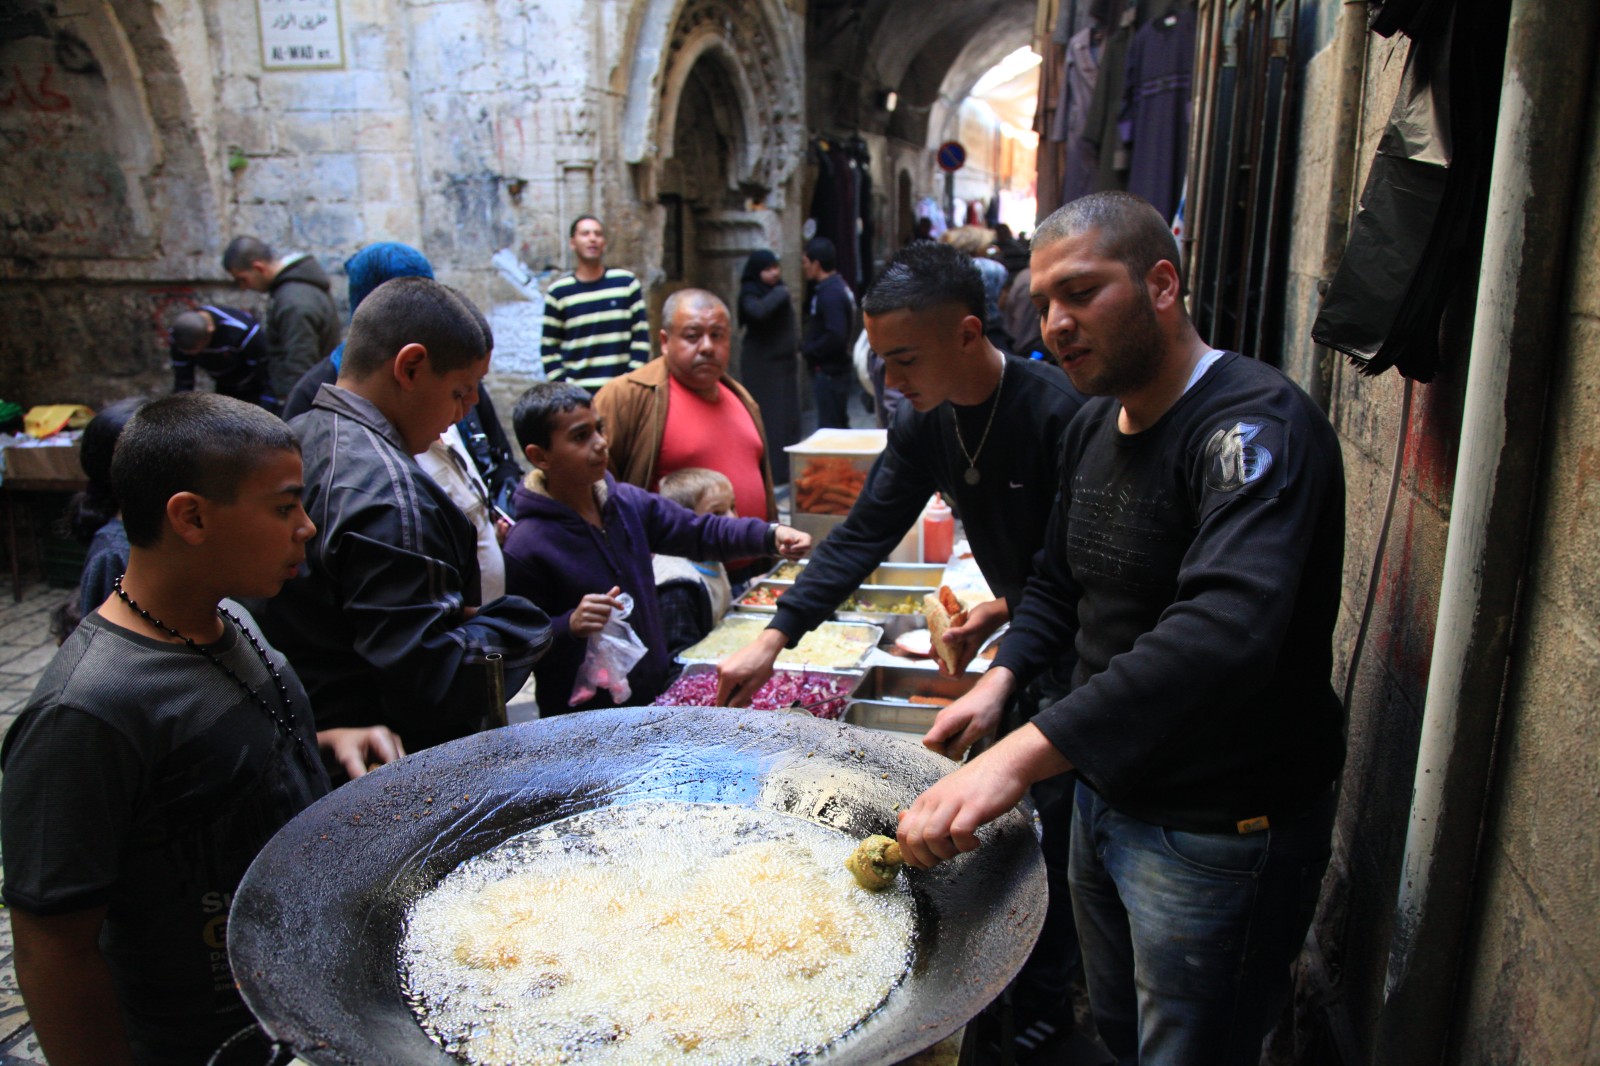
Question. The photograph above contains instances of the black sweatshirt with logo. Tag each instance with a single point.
(1196, 566)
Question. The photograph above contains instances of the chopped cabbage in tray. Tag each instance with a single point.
(821, 694)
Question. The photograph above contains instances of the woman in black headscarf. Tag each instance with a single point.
(768, 367)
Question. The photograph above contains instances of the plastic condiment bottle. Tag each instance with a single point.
(938, 532)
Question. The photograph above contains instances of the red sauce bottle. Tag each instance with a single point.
(938, 532)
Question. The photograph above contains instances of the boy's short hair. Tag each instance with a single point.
(199, 442)
(820, 250)
(537, 408)
(242, 251)
(925, 275)
(687, 487)
(572, 230)
(413, 310)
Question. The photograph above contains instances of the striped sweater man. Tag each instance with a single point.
(595, 330)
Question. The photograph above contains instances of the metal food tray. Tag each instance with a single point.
(789, 658)
(904, 719)
(844, 697)
(894, 623)
(897, 684)
(927, 576)
(883, 594)
(761, 608)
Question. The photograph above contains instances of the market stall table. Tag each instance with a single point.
(35, 469)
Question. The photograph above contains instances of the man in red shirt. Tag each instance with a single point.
(682, 410)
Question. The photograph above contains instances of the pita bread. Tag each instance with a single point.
(943, 610)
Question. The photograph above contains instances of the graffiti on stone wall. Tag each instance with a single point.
(62, 190)
(167, 304)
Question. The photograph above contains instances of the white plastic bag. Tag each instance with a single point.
(612, 652)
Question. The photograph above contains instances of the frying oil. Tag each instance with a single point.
(654, 932)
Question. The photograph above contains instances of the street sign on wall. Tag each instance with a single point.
(952, 157)
(300, 35)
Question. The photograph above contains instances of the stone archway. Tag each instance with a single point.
(713, 219)
(713, 129)
(109, 192)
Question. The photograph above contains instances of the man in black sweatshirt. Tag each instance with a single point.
(1194, 561)
(830, 332)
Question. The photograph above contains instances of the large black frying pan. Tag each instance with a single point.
(318, 917)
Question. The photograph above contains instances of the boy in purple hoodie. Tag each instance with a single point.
(581, 539)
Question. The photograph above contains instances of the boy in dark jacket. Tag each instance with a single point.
(387, 624)
(582, 538)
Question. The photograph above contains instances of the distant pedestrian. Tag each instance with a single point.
(768, 365)
(94, 517)
(302, 322)
(830, 332)
(595, 324)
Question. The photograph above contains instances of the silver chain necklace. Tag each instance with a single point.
(972, 477)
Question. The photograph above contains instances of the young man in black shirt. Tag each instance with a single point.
(984, 429)
(830, 331)
(1194, 562)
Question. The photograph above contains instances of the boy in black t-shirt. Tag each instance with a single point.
(164, 746)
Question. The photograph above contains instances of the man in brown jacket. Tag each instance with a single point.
(681, 409)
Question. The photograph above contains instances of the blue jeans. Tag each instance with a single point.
(1188, 938)
(832, 392)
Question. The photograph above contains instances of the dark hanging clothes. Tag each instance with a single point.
(1100, 125)
(1418, 236)
(864, 225)
(1077, 91)
(1156, 104)
(1049, 160)
(825, 206)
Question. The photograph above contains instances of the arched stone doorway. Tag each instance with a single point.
(713, 220)
(714, 132)
(109, 194)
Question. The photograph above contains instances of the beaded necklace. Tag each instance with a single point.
(280, 718)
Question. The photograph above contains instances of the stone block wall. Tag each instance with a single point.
(459, 126)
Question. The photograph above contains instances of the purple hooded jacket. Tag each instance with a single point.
(555, 558)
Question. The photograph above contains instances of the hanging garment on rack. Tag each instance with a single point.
(847, 175)
(1156, 106)
(864, 228)
(1077, 90)
(1100, 127)
(1416, 241)
(824, 196)
(1048, 161)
